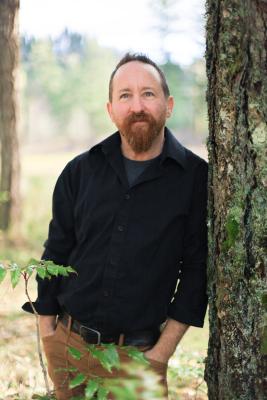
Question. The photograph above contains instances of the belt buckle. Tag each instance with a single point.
(98, 334)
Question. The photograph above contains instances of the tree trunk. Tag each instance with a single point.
(236, 56)
(10, 166)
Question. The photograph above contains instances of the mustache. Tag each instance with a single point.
(138, 117)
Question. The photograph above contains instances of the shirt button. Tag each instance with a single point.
(105, 293)
(127, 196)
(120, 228)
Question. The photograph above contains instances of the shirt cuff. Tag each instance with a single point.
(43, 308)
(185, 316)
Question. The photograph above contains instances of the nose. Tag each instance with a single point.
(137, 104)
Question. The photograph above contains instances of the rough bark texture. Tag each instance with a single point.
(10, 169)
(236, 56)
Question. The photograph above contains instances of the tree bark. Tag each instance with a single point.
(10, 166)
(236, 59)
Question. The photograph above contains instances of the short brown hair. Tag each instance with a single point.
(144, 59)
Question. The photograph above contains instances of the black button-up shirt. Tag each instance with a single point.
(140, 251)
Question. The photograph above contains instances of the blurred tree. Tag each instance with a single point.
(180, 83)
(236, 55)
(198, 92)
(69, 43)
(166, 24)
(10, 166)
(65, 90)
(187, 85)
(70, 76)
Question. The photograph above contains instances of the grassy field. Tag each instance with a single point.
(20, 375)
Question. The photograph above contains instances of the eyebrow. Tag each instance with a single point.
(144, 88)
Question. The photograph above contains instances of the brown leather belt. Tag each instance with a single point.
(93, 336)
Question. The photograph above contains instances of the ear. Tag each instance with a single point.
(109, 109)
(170, 105)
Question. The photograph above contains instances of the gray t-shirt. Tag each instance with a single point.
(135, 168)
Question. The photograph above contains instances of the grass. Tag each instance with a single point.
(20, 374)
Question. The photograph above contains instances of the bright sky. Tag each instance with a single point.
(123, 24)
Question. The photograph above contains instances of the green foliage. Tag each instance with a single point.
(4, 196)
(76, 354)
(108, 357)
(15, 272)
(64, 76)
(43, 268)
(3, 272)
(123, 389)
(77, 381)
(136, 355)
(91, 388)
(69, 77)
(77, 398)
(102, 393)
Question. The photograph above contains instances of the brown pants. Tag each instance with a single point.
(58, 358)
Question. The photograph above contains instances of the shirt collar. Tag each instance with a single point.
(172, 148)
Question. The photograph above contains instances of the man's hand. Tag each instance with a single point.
(47, 325)
(168, 341)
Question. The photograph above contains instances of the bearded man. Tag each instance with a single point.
(130, 216)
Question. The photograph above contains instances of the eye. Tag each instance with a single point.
(148, 94)
(124, 96)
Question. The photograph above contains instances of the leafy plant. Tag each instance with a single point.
(44, 269)
(108, 356)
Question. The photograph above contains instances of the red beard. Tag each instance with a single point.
(141, 129)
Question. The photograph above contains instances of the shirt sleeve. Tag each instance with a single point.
(58, 246)
(189, 303)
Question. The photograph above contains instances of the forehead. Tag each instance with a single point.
(136, 73)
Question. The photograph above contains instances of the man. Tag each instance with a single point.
(130, 216)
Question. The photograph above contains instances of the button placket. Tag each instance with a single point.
(113, 261)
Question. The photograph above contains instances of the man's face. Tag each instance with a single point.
(139, 108)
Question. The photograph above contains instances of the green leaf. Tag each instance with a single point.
(137, 355)
(91, 388)
(124, 393)
(41, 272)
(3, 272)
(62, 270)
(74, 353)
(102, 393)
(53, 269)
(77, 381)
(112, 355)
(14, 274)
(69, 369)
(102, 357)
(70, 269)
(33, 262)
(30, 270)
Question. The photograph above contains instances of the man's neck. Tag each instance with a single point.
(153, 152)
